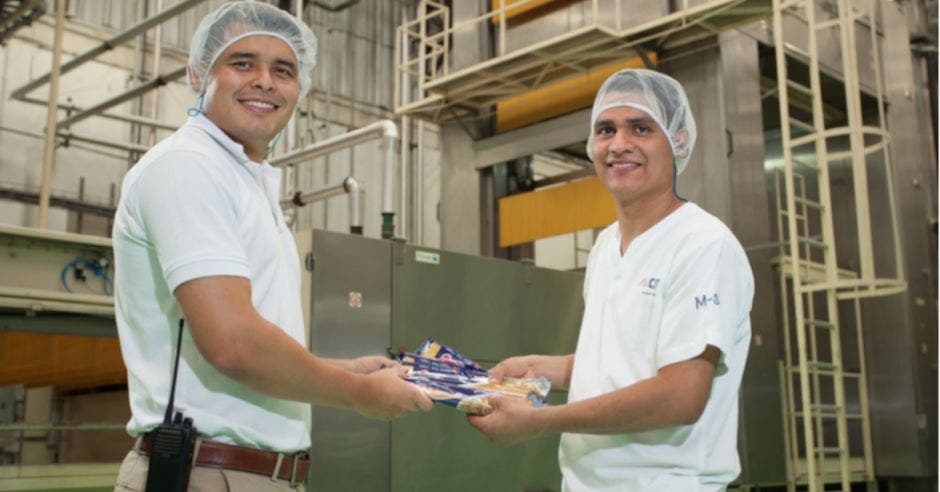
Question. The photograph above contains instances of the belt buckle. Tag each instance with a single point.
(276, 474)
(296, 461)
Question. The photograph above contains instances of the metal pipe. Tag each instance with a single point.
(48, 155)
(52, 295)
(120, 98)
(388, 181)
(157, 52)
(355, 204)
(77, 426)
(419, 187)
(25, 196)
(129, 146)
(384, 129)
(350, 186)
(137, 105)
(300, 199)
(129, 118)
(38, 305)
(107, 45)
(405, 168)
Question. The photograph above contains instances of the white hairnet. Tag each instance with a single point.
(236, 20)
(657, 95)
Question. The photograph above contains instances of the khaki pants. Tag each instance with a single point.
(133, 477)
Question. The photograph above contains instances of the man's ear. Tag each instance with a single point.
(195, 81)
(680, 142)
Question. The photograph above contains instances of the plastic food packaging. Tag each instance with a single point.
(450, 378)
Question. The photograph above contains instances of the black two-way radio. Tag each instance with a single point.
(172, 444)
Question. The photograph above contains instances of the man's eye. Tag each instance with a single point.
(241, 65)
(605, 130)
(285, 72)
(641, 129)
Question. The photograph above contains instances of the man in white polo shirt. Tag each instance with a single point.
(199, 235)
(653, 384)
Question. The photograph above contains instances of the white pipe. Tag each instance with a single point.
(350, 186)
(419, 187)
(355, 204)
(48, 154)
(301, 199)
(384, 129)
(157, 53)
(405, 120)
(405, 168)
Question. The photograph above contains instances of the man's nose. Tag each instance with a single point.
(621, 142)
(263, 80)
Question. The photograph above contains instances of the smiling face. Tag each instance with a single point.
(252, 90)
(632, 156)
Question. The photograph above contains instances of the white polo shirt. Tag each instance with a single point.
(681, 285)
(196, 206)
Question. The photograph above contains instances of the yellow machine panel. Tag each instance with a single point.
(575, 206)
(557, 98)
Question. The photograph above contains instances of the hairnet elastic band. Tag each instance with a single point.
(193, 112)
(675, 178)
(273, 143)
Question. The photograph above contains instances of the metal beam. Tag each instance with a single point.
(72, 204)
(129, 118)
(127, 95)
(48, 154)
(550, 134)
(108, 45)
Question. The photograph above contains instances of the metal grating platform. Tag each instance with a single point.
(472, 91)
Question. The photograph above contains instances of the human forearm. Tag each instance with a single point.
(675, 396)
(265, 359)
(644, 406)
(244, 346)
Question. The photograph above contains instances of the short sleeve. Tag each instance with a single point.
(707, 300)
(188, 208)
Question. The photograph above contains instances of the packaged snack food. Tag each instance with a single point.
(450, 378)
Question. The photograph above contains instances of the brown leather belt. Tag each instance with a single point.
(218, 455)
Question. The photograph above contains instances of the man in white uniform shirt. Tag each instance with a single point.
(199, 235)
(653, 384)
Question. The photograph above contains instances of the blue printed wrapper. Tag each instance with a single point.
(434, 350)
(450, 378)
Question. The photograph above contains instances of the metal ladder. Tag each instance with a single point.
(814, 377)
(813, 374)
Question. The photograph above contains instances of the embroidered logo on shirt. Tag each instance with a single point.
(649, 284)
(703, 300)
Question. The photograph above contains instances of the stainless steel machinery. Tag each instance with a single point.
(372, 296)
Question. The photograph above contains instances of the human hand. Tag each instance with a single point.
(368, 364)
(512, 421)
(513, 367)
(388, 396)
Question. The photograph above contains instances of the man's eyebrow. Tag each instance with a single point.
(603, 122)
(644, 120)
(251, 55)
(242, 54)
(288, 63)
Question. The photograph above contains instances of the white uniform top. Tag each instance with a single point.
(681, 285)
(196, 206)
